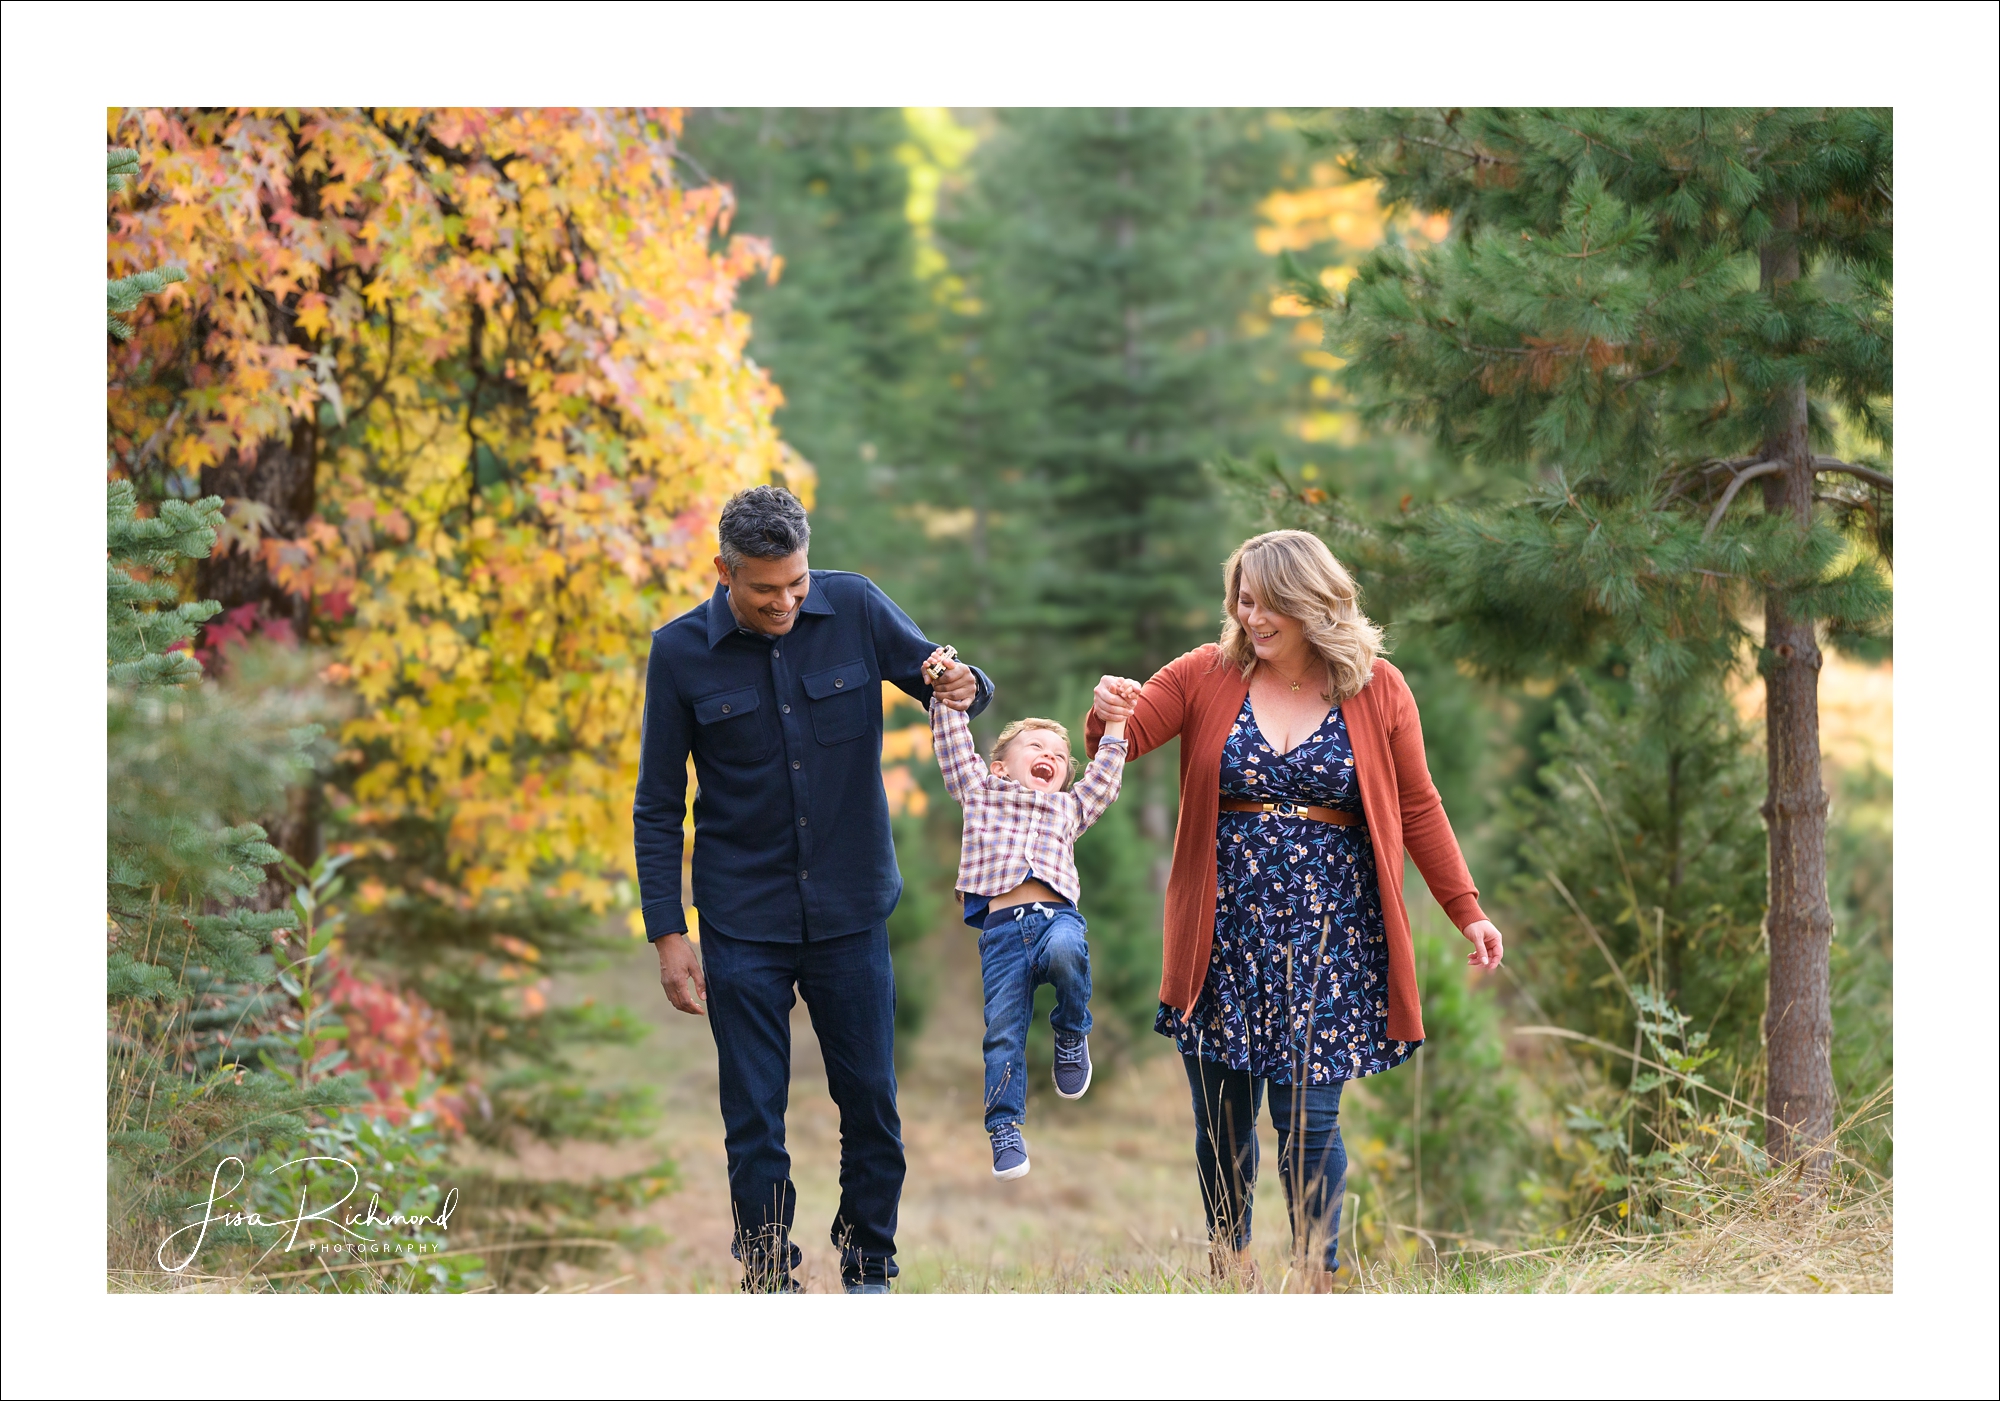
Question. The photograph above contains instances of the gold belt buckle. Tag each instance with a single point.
(1283, 809)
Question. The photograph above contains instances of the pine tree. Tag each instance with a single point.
(1118, 339)
(125, 293)
(845, 326)
(191, 984)
(1646, 310)
(1105, 332)
(1643, 823)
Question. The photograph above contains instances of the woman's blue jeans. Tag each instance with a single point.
(1312, 1161)
(1041, 944)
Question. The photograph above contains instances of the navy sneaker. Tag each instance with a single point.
(1010, 1153)
(1072, 1072)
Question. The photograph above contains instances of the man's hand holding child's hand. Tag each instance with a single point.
(952, 681)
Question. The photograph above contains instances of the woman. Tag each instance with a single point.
(1287, 955)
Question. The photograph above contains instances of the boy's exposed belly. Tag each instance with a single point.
(1026, 893)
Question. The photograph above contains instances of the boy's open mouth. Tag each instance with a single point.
(1042, 770)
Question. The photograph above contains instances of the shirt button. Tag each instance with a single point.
(786, 708)
(802, 875)
(725, 710)
(838, 682)
(795, 763)
(802, 822)
(776, 653)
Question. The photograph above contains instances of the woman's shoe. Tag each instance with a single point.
(1010, 1153)
(1234, 1270)
(1313, 1279)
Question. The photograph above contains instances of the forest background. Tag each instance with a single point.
(470, 387)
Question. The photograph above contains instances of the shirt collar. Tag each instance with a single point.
(722, 622)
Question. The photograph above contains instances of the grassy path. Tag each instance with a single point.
(1112, 1194)
(1111, 1203)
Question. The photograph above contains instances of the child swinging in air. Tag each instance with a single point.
(1017, 877)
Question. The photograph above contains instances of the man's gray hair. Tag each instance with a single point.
(762, 522)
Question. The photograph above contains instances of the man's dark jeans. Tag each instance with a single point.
(1312, 1161)
(850, 992)
(1040, 944)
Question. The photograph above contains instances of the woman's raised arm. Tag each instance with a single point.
(1161, 710)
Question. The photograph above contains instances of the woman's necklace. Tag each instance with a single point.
(1281, 676)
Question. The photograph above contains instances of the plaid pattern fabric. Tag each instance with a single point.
(1011, 831)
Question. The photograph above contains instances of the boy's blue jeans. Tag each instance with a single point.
(1041, 944)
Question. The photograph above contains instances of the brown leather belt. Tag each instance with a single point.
(1332, 815)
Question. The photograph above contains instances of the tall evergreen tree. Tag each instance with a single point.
(1648, 310)
(1119, 338)
(843, 325)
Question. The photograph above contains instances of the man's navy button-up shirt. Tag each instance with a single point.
(791, 825)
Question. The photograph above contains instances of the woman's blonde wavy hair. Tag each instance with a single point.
(1295, 574)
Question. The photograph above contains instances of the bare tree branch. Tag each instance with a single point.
(1760, 469)
(1866, 474)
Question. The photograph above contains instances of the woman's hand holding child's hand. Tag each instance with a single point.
(1115, 698)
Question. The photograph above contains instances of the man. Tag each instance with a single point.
(774, 685)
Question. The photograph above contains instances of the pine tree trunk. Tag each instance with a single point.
(1798, 1014)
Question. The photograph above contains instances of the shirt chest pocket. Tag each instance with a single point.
(844, 702)
(732, 729)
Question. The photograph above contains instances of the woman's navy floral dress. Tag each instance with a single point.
(1297, 987)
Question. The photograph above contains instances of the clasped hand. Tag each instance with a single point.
(1115, 698)
(955, 685)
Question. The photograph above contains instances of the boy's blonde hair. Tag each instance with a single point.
(1015, 729)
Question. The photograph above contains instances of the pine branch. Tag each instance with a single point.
(1761, 469)
(1476, 157)
(1866, 474)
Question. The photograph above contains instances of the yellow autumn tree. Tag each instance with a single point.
(496, 355)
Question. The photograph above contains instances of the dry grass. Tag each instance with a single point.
(1772, 1241)
(1111, 1206)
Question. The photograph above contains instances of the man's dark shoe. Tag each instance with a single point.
(1010, 1153)
(869, 1286)
(768, 1257)
(1072, 1071)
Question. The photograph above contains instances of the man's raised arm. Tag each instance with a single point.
(901, 650)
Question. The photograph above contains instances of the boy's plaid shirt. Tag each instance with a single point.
(1012, 831)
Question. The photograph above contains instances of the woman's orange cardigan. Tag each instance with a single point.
(1197, 697)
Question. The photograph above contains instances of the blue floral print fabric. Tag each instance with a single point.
(1297, 986)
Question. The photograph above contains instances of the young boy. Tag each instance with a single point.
(1017, 876)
